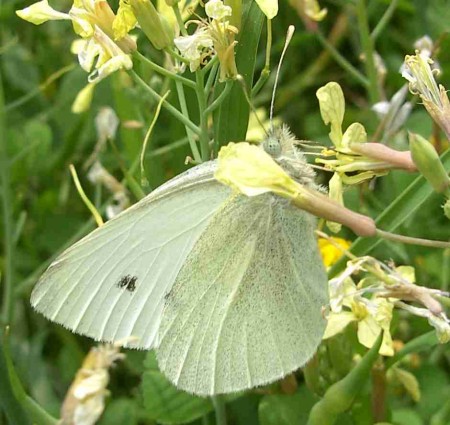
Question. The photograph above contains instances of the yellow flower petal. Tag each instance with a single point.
(124, 22)
(268, 7)
(337, 322)
(332, 108)
(313, 11)
(84, 99)
(355, 133)
(251, 171)
(330, 253)
(336, 193)
(41, 12)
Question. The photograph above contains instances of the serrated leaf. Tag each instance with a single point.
(168, 405)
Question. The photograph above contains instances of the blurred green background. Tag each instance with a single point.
(42, 137)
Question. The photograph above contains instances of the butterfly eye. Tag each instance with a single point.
(272, 146)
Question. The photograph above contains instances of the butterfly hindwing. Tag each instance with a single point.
(111, 284)
(245, 309)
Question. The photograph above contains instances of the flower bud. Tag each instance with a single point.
(428, 163)
(84, 99)
(447, 209)
(152, 23)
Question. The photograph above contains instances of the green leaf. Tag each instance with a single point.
(119, 412)
(168, 405)
(231, 119)
(281, 409)
(394, 215)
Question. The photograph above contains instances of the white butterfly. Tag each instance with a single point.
(228, 289)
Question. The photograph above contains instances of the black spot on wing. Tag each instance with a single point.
(127, 282)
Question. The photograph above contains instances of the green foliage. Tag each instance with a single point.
(41, 213)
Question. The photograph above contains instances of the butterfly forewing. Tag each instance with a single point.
(111, 285)
(245, 309)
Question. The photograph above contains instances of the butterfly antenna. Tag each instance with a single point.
(241, 81)
(290, 33)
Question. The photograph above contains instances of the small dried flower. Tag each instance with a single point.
(421, 77)
(85, 401)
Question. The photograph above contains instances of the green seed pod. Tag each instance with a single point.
(152, 23)
(428, 163)
(340, 396)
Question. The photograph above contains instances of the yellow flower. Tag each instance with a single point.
(371, 316)
(102, 51)
(251, 171)
(330, 253)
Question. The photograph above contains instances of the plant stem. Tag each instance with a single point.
(219, 408)
(368, 49)
(413, 241)
(184, 110)
(211, 78)
(378, 391)
(211, 108)
(27, 97)
(445, 269)
(384, 20)
(164, 71)
(266, 70)
(204, 141)
(179, 18)
(8, 294)
(344, 63)
(174, 111)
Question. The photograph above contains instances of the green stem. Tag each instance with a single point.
(210, 64)
(39, 89)
(445, 270)
(174, 111)
(176, 55)
(341, 395)
(211, 78)
(179, 18)
(164, 71)
(384, 20)
(190, 134)
(412, 241)
(211, 108)
(344, 63)
(204, 141)
(38, 415)
(368, 49)
(219, 408)
(8, 262)
(266, 70)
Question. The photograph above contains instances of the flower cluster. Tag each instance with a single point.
(354, 160)
(371, 302)
(213, 36)
(101, 50)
